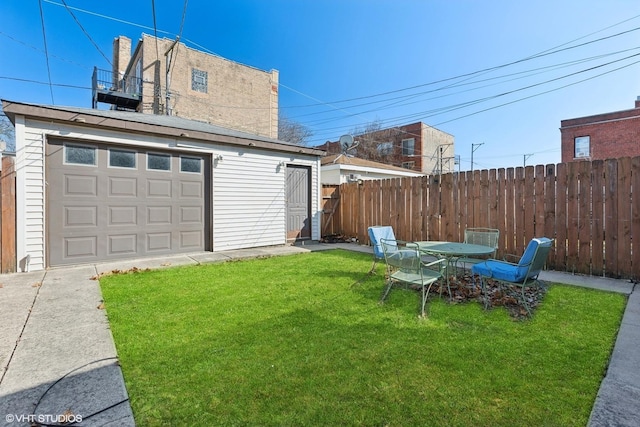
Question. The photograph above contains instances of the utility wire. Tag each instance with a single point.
(37, 49)
(46, 51)
(547, 52)
(184, 15)
(155, 28)
(86, 33)
(17, 79)
(404, 99)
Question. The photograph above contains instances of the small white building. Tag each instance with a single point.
(102, 185)
(340, 169)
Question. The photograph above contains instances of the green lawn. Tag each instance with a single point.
(288, 341)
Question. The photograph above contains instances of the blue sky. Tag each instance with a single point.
(498, 72)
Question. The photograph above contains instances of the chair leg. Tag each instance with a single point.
(425, 296)
(389, 284)
(483, 289)
(524, 301)
(373, 267)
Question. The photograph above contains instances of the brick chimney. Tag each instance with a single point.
(638, 102)
(121, 56)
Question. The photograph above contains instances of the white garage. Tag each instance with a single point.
(97, 185)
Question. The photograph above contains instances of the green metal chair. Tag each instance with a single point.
(405, 266)
(480, 236)
(523, 274)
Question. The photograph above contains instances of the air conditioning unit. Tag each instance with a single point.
(353, 177)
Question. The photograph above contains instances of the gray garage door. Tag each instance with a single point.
(108, 203)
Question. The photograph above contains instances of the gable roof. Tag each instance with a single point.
(169, 126)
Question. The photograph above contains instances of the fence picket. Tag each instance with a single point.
(623, 211)
(597, 229)
(611, 223)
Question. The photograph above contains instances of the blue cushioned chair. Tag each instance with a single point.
(376, 234)
(524, 273)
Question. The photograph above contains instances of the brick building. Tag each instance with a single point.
(602, 136)
(416, 146)
(201, 86)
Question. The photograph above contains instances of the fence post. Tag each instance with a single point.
(8, 215)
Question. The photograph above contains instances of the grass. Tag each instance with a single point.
(288, 341)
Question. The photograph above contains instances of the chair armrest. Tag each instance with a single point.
(438, 261)
(511, 256)
(432, 263)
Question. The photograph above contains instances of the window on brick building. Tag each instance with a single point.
(385, 148)
(408, 165)
(198, 80)
(408, 146)
(582, 147)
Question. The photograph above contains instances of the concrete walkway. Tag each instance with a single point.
(58, 361)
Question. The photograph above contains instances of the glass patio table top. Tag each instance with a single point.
(451, 251)
(454, 249)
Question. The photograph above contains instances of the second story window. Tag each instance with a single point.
(582, 147)
(385, 148)
(198, 80)
(408, 146)
(408, 165)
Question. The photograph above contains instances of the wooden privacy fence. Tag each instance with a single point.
(592, 209)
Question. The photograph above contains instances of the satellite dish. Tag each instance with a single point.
(346, 142)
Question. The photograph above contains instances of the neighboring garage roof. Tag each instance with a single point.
(171, 126)
(342, 159)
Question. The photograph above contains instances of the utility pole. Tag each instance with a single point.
(168, 57)
(474, 147)
(526, 156)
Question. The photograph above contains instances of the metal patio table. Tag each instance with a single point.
(453, 250)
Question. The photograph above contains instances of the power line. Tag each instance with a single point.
(442, 110)
(520, 74)
(155, 28)
(17, 79)
(46, 51)
(547, 52)
(40, 50)
(86, 33)
(184, 15)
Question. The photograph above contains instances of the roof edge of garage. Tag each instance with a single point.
(171, 126)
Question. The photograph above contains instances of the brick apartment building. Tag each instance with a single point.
(602, 136)
(416, 146)
(201, 86)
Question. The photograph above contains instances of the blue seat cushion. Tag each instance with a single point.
(376, 233)
(500, 270)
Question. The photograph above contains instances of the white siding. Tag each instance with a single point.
(30, 219)
(249, 206)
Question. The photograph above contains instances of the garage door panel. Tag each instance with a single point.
(159, 215)
(190, 239)
(159, 188)
(80, 216)
(123, 187)
(96, 212)
(79, 185)
(124, 244)
(158, 241)
(191, 215)
(123, 215)
(81, 247)
(190, 189)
